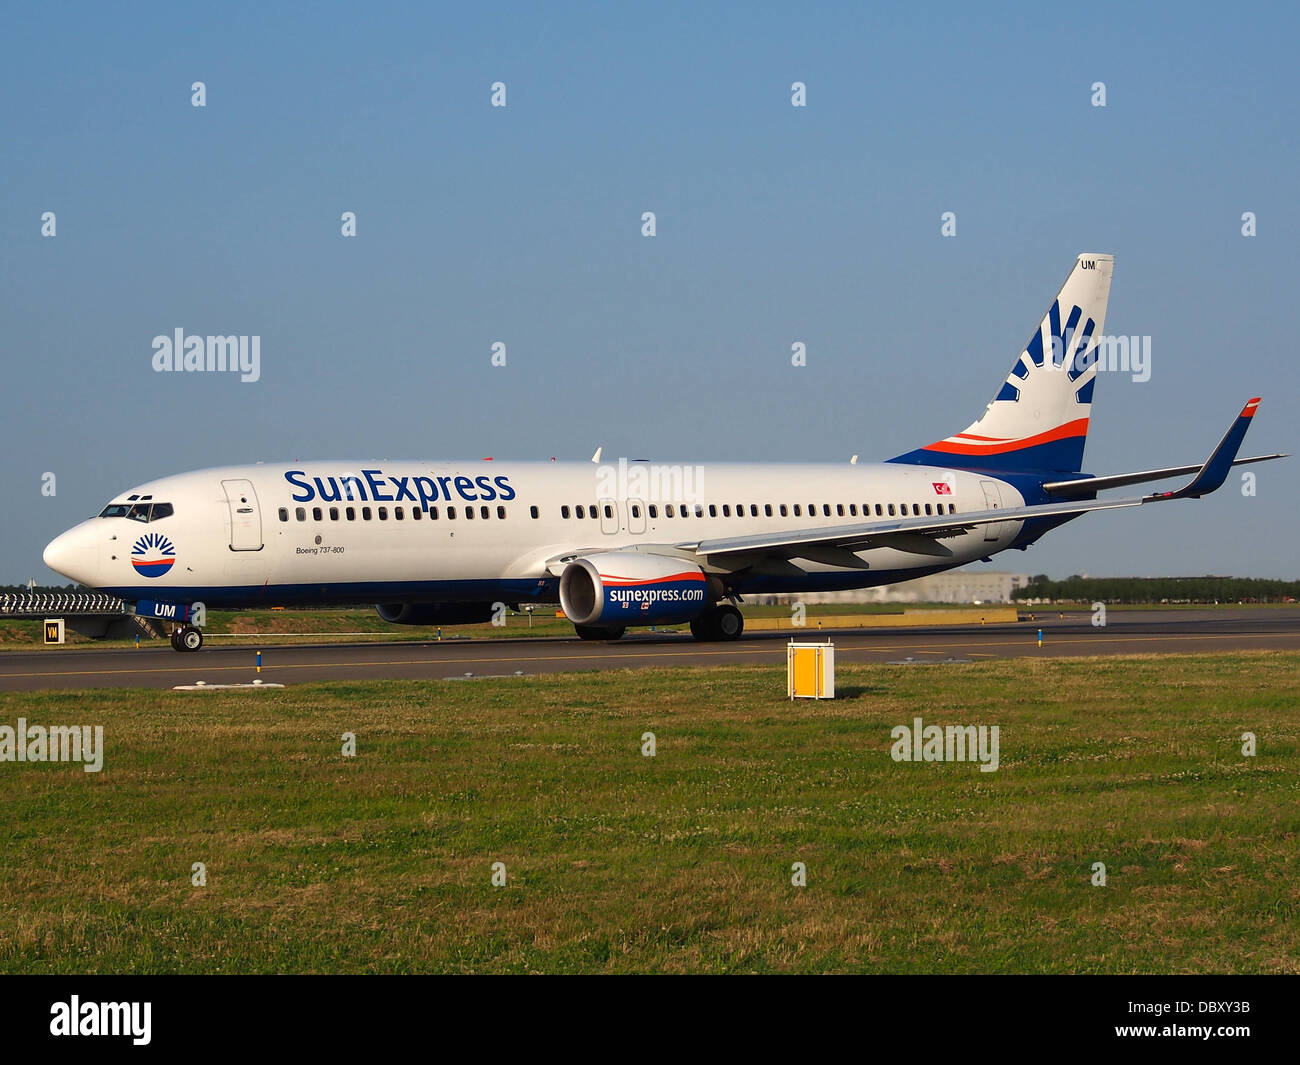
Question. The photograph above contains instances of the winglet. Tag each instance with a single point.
(1215, 471)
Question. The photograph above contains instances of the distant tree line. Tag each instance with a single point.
(40, 589)
(1161, 589)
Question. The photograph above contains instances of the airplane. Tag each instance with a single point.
(449, 543)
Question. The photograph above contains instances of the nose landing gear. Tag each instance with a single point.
(187, 638)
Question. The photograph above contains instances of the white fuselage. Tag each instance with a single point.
(348, 532)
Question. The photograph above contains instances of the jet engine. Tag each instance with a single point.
(613, 589)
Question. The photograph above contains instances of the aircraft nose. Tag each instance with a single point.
(70, 554)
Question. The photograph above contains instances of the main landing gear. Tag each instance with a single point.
(718, 623)
(187, 638)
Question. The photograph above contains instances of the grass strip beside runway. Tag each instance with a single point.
(616, 862)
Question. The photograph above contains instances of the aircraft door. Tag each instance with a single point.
(992, 501)
(245, 516)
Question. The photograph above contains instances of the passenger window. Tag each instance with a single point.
(853, 510)
(534, 512)
(798, 512)
(952, 508)
(284, 513)
(352, 513)
(451, 513)
(365, 513)
(784, 510)
(878, 513)
(927, 508)
(916, 509)
(669, 511)
(433, 513)
(609, 511)
(713, 510)
(591, 512)
(826, 510)
(317, 514)
(483, 512)
(300, 513)
(654, 510)
(383, 513)
(699, 510)
(767, 510)
(726, 510)
(839, 509)
(399, 513)
(891, 510)
(501, 512)
(564, 512)
(417, 514)
(580, 511)
(469, 513)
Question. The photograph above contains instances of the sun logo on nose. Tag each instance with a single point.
(153, 555)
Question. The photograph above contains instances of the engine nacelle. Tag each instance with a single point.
(434, 613)
(617, 588)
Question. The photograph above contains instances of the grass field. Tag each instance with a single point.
(617, 862)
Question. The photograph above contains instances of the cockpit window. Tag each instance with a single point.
(138, 511)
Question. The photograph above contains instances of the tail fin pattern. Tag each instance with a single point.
(1038, 421)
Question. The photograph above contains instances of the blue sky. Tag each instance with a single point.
(522, 225)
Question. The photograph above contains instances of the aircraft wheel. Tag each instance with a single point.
(190, 638)
(728, 623)
(722, 622)
(176, 641)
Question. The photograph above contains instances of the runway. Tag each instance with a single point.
(1127, 632)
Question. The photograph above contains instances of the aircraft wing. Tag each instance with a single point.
(836, 544)
(1090, 485)
(904, 533)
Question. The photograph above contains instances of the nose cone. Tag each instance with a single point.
(72, 555)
